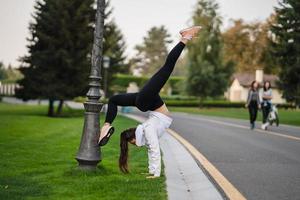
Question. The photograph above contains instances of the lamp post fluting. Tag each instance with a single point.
(106, 63)
(89, 153)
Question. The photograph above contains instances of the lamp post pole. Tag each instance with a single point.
(106, 63)
(89, 153)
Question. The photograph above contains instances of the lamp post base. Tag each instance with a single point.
(87, 165)
(88, 155)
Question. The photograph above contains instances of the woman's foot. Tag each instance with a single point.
(189, 33)
(106, 131)
(252, 126)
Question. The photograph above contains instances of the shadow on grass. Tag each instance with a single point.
(21, 188)
(99, 171)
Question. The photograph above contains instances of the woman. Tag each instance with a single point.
(253, 103)
(266, 103)
(148, 99)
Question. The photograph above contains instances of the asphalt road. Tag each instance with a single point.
(262, 165)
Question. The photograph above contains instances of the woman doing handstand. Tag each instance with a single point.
(148, 99)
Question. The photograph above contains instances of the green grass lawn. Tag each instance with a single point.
(291, 117)
(37, 160)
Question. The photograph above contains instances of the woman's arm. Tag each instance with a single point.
(258, 99)
(154, 157)
(248, 98)
(268, 96)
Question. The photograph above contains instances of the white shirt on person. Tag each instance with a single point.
(148, 134)
(267, 93)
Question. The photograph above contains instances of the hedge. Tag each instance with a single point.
(205, 104)
(216, 104)
(121, 81)
(193, 102)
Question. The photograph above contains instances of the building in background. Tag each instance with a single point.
(238, 90)
(8, 89)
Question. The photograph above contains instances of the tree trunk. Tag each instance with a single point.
(60, 106)
(51, 108)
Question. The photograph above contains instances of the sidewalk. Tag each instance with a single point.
(185, 179)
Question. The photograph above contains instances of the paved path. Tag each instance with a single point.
(260, 164)
(185, 179)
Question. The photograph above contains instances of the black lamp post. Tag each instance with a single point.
(88, 154)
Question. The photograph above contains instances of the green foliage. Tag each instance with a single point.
(153, 51)
(204, 103)
(286, 48)
(9, 74)
(121, 82)
(60, 40)
(213, 103)
(208, 75)
(247, 44)
(3, 74)
(58, 64)
(114, 48)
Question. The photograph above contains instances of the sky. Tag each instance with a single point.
(134, 18)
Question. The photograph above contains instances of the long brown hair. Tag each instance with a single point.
(265, 83)
(126, 136)
(252, 85)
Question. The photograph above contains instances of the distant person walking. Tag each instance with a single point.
(253, 103)
(266, 103)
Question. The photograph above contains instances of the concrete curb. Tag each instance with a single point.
(185, 179)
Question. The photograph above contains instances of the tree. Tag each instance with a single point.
(60, 42)
(3, 74)
(208, 75)
(270, 65)
(113, 47)
(247, 44)
(286, 48)
(151, 54)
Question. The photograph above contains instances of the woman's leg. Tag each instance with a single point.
(158, 80)
(250, 108)
(255, 113)
(252, 112)
(265, 113)
(118, 100)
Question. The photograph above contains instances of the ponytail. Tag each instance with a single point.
(126, 136)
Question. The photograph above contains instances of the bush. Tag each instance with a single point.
(286, 106)
(121, 82)
(182, 103)
(82, 99)
(193, 102)
(179, 97)
(205, 104)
